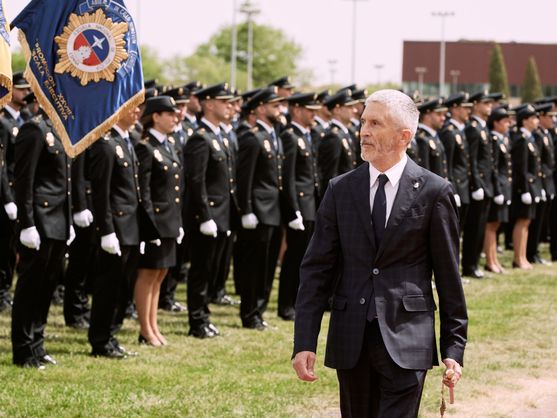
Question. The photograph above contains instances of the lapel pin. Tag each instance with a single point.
(416, 185)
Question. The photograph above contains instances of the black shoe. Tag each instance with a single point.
(538, 260)
(288, 314)
(31, 363)
(116, 345)
(47, 359)
(177, 307)
(224, 301)
(475, 274)
(254, 323)
(202, 331)
(79, 324)
(110, 353)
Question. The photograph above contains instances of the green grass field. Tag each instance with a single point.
(248, 373)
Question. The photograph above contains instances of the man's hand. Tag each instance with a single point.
(111, 244)
(249, 221)
(30, 238)
(83, 219)
(451, 378)
(478, 195)
(303, 363)
(11, 211)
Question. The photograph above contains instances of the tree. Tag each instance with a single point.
(274, 55)
(152, 64)
(498, 71)
(18, 61)
(531, 86)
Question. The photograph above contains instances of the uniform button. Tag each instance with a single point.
(280, 188)
(165, 168)
(139, 200)
(231, 180)
(69, 193)
(135, 175)
(231, 191)
(177, 188)
(157, 210)
(125, 163)
(176, 176)
(280, 177)
(362, 301)
(301, 194)
(177, 200)
(211, 203)
(120, 213)
(375, 271)
(45, 204)
(174, 165)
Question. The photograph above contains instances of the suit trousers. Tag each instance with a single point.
(535, 230)
(114, 278)
(377, 386)
(81, 266)
(254, 262)
(206, 256)
(37, 272)
(7, 255)
(473, 237)
(296, 245)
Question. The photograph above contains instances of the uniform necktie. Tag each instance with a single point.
(166, 144)
(275, 142)
(379, 211)
(128, 144)
(19, 121)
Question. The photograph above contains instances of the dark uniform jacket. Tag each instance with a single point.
(42, 180)
(504, 166)
(526, 165)
(481, 158)
(8, 133)
(336, 154)
(458, 160)
(160, 179)
(259, 172)
(81, 186)
(544, 143)
(114, 174)
(431, 153)
(300, 174)
(210, 179)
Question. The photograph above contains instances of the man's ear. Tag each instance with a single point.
(406, 136)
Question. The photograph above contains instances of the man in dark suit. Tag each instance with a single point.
(381, 231)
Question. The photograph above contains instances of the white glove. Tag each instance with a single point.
(499, 199)
(11, 211)
(142, 247)
(457, 200)
(478, 194)
(111, 244)
(249, 221)
(526, 198)
(298, 223)
(180, 235)
(72, 236)
(156, 242)
(30, 238)
(83, 219)
(209, 228)
(228, 233)
(544, 195)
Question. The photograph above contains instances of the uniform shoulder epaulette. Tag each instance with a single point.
(106, 136)
(290, 130)
(474, 123)
(450, 126)
(201, 131)
(255, 129)
(144, 140)
(421, 133)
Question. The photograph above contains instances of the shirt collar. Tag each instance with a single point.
(480, 120)
(498, 134)
(268, 128)
(15, 114)
(526, 132)
(432, 132)
(393, 174)
(300, 127)
(226, 128)
(121, 132)
(191, 118)
(460, 126)
(158, 135)
(340, 125)
(322, 122)
(215, 129)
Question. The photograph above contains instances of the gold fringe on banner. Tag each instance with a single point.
(73, 150)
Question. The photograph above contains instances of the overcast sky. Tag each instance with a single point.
(323, 28)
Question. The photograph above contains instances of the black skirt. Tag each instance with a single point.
(521, 211)
(498, 213)
(161, 257)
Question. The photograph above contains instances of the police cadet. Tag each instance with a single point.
(209, 203)
(321, 117)
(336, 153)
(300, 182)
(259, 173)
(178, 273)
(431, 152)
(113, 172)
(247, 113)
(545, 146)
(160, 179)
(481, 183)
(498, 124)
(193, 108)
(552, 222)
(11, 119)
(527, 181)
(43, 196)
(285, 89)
(457, 150)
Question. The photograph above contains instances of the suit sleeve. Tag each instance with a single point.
(196, 159)
(101, 162)
(247, 160)
(317, 274)
(28, 148)
(444, 247)
(290, 147)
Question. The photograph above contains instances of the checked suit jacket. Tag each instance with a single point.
(421, 239)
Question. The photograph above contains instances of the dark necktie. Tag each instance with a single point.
(128, 144)
(379, 211)
(275, 142)
(19, 121)
(166, 146)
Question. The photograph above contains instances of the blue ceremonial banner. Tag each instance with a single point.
(5, 59)
(83, 64)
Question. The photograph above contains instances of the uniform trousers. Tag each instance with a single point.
(7, 255)
(38, 271)
(473, 237)
(535, 230)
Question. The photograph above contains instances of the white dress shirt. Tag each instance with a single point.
(391, 187)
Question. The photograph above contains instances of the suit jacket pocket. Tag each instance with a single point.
(339, 303)
(417, 303)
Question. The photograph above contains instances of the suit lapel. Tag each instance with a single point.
(410, 186)
(360, 193)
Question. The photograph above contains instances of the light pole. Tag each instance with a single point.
(420, 71)
(378, 67)
(234, 47)
(454, 74)
(332, 69)
(354, 14)
(250, 10)
(442, 15)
